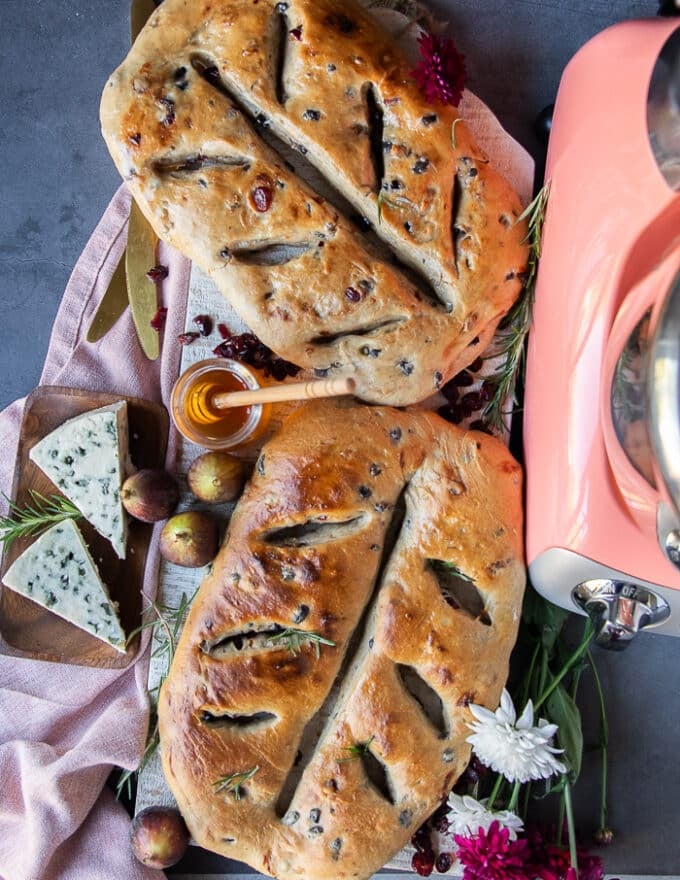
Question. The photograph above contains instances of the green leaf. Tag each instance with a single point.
(37, 516)
(562, 710)
(547, 618)
(356, 750)
(549, 789)
(233, 782)
(295, 638)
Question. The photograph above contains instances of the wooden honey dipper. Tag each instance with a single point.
(279, 393)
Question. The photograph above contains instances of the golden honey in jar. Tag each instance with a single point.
(199, 420)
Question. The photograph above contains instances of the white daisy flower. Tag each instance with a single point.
(468, 815)
(514, 746)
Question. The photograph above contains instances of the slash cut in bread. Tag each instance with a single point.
(189, 119)
(316, 709)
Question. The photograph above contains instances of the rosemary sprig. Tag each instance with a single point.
(453, 131)
(166, 624)
(356, 750)
(391, 203)
(233, 782)
(515, 326)
(152, 740)
(449, 566)
(295, 638)
(37, 516)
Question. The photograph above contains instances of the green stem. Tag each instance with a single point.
(543, 674)
(604, 741)
(514, 797)
(525, 801)
(569, 807)
(575, 657)
(560, 823)
(494, 791)
(526, 690)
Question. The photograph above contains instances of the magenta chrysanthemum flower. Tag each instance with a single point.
(547, 861)
(491, 855)
(440, 73)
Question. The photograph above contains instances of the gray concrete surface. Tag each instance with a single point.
(57, 179)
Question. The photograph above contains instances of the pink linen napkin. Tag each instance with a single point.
(63, 727)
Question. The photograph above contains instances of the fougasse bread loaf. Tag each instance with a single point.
(316, 709)
(189, 119)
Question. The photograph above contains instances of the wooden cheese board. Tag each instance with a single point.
(26, 627)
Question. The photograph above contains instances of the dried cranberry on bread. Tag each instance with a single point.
(189, 118)
(316, 710)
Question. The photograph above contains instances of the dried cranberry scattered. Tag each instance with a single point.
(462, 380)
(476, 365)
(158, 320)
(157, 273)
(472, 401)
(441, 823)
(247, 347)
(474, 771)
(453, 413)
(188, 338)
(481, 425)
(352, 295)
(442, 812)
(487, 391)
(296, 33)
(204, 324)
(450, 392)
(423, 863)
(262, 198)
(421, 839)
(443, 862)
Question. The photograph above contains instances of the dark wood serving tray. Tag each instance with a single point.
(26, 626)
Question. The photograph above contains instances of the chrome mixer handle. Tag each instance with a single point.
(619, 610)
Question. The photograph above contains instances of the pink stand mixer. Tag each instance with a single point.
(602, 400)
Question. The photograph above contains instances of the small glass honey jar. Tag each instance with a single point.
(199, 420)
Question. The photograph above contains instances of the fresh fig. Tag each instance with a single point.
(150, 495)
(159, 837)
(189, 539)
(216, 476)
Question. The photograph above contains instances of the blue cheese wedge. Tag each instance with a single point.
(87, 459)
(58, 572)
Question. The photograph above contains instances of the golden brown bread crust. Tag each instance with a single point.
(308, 548)
(321, 76)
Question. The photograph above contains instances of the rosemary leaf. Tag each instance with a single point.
(453, 131)
(449, 566)
(514, 328)
(124, 783)
(37, 516)
(296, 637)
(356, 750)
(166, 623)
(233, 782)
